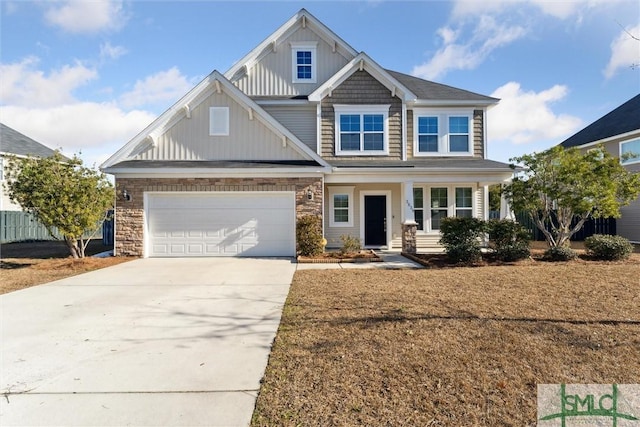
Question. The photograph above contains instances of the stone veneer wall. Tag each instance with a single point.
(129, 216)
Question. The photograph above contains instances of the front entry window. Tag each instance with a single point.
(418, 207)
(439, 206)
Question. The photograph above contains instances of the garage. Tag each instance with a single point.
(206, 224)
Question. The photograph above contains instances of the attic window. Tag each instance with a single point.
(219, 121)
(303, 56)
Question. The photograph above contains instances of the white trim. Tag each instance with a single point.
(214, 173)
(335, 191)
(362, 110)
(404, 132)
(389, 216)
(443, 116)
(304, 47)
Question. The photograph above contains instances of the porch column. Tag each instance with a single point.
(409, 225)
(505, 209)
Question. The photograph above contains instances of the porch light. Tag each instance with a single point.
(309, 194)
(126, 196)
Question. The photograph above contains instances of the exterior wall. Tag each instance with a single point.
(189, 139)
(5, 202)
(361, 88)
(300, 120)
(129, 216)
(272, 75)
(628, 225)
(332, 234)
(478, 134)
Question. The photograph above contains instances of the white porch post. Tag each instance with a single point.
(505, 209)
(409, 224)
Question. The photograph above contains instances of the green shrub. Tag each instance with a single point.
(560, 253)
(309, 235)
(350, 244)
(461, 239)
(603, 246)
(508, 239)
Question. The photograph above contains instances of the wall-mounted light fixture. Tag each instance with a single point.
(126, 196)
(309, 194)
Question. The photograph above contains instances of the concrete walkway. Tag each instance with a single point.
(390, 261)
(151, 342)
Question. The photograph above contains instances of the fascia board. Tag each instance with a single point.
(621, 137)
(372, 67)
(435, 103)
(280, 34)
(399, 177)
(216, 173)
(418, 170)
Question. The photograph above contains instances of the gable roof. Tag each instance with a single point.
(182, 108)
(624, 119)
(427, 91)
(301, 19)
(16, 143)
(362, 62)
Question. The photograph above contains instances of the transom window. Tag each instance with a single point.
(441, 203)
(630, 152)
(442, 133)
(304, 62)
(362, 131)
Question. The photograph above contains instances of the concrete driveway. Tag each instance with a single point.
(162, 342)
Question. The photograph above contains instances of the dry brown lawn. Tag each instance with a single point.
(28, 264)
(450, 346)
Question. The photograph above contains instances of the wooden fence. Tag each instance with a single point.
(18, 226)
(591, 227)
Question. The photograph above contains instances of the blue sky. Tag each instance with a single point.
(86, 76)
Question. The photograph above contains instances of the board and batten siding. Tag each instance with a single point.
(361, 88)
(189, 139)
(272, 75)
(300, 120)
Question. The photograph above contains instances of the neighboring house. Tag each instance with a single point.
(619, 133)
(303, 124)
(13, 143)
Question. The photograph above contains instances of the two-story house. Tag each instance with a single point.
(619, 133)
(303, 124)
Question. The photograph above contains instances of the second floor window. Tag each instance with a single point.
(304, 62)
(442, 133)
(361, 132)
(630, 152)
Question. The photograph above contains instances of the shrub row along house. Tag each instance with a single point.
(303, 125)
(619, 133)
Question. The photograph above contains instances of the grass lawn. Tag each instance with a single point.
(449, 346)
(23, 265)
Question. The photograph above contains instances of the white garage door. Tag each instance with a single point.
(221, 224)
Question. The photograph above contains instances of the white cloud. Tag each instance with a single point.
(99, 129)
(524, 117)
(82, 16)
(109, 52)
(160, 88)
(486, 36)
(557, 9)
(23, 84)
(625, 51)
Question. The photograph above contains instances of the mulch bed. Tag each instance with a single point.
(338, 257)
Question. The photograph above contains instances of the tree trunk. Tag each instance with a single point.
(72, 244)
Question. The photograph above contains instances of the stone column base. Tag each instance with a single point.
(409, 244)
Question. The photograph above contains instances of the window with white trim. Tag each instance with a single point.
(442, 133)
(303, 57)
(630, 152)
(361, 129)
(219, 121)
(341, 206)
(431, 204)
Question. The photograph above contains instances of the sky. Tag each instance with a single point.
(86, 76)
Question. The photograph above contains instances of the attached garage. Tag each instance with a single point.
(202, 224)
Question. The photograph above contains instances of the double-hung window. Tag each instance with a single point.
(361, 129)
(630, 152)
(432, 204)
(464, 202)
(303, 57)
(442, 133)
(341, 206)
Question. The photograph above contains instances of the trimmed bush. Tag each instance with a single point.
(606, 247)
(350, 244)
(560, 253)
(309, 235)
(508, 239)
(461, 239)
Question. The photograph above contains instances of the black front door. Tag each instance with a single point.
(375, 220)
